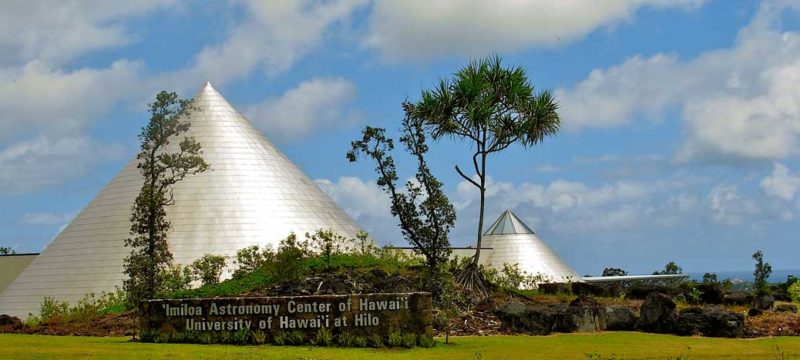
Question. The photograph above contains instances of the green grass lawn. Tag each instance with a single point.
(617, 345)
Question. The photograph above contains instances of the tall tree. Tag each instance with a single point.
(491, 107)
(425, 214)
(761, 274)
(161, 167)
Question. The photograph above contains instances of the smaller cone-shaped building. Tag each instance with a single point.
(512, 242)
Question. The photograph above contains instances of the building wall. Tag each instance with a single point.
(11, 266)
(457, 252)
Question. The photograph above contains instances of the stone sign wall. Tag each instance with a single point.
(357, 314)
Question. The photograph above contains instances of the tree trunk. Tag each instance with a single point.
(483, 201)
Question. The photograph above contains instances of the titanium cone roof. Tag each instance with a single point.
(251, 195)
(512, 242)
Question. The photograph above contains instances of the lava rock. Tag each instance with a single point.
(690, 321)
(737, 298)
(10, 321)
(639, 292)
(718, 322)
(710, 293)
(791, 308)
(658, 314)
(754, 312)
(620, 317)
(764, 302)
(583, 314)
(555, 288)
(517, 317)
(581, 288)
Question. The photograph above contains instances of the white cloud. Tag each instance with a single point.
(367, 204)
(314, 105)
(46, 218)
(42, 162)
(423, 29)
(728, 206)
(59, 31)
(740, 102)
(272, 37)
(781, 183)
(41, 99)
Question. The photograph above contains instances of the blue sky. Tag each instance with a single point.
(680, 119)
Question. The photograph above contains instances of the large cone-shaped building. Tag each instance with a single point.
(512, 242)
(252, 195)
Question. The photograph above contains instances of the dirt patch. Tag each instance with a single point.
(772, 324)
(108, 325)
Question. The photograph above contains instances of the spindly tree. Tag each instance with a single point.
(425, 214)
(761, 273)
(161, 167)
(491, 107)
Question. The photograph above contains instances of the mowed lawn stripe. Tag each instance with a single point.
(620, 345)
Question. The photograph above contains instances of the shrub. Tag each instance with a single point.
(51, 309)
(280, 338)
(375, 341)
(409, 340)
(324, 337)
(175, 278)
(147, 335)
(259, 337)
(289, 259)
(208, 268)
(346, 339)
(241, 336)
(296, 338)
(251, 258)
(326, 243)
(794, 291)
(395, 339)
(426, 341)
(360, 341)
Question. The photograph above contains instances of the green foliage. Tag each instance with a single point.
(241, 336)
(5, 250)
(761, 273)
(409, 341)
(669, 269)
(281, 338)
(710, 278)
(345, 339)
(426, 341)
(251, 258)
(148, 335)
(51, 308)
(323, 337)
(208, 268)
(90, 306)
(694, 296)
(295, 337)
(610, 271)
(160, 170)
(289, 258)
(491, 108)
(175, 278)
(794, 291)
(395, 339)
(259, 337)
(360, 341)
(326, 243)
(375, 341)
(424, 211)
